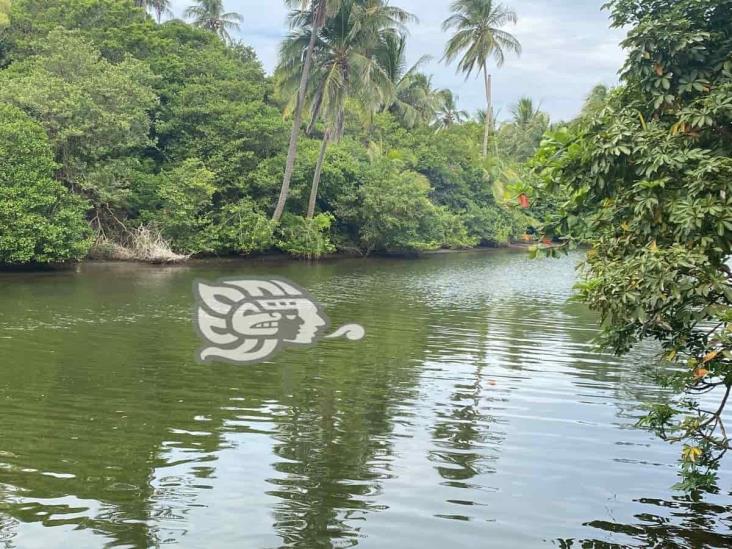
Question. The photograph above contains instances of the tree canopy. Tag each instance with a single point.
(173, 132)
(40, 220)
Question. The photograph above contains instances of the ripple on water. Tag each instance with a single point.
(477, 408)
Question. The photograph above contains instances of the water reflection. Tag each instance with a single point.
(476, 409)
(679, 523)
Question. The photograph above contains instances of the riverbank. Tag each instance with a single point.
(273, 257)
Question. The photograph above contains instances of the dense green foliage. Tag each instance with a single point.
(93, 111)
(168, 131)
(648, 181)
(4, 13)
(39, 219)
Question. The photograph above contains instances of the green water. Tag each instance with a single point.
(475, 413)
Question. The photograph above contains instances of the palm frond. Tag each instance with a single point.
(478, 35)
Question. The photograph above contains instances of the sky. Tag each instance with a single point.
(568, 48)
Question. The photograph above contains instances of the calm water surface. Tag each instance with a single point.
(476, 413)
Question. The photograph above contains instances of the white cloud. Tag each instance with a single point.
(568, 47)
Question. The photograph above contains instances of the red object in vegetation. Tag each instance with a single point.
(523, 200)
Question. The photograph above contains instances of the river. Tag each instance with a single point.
(475, 413)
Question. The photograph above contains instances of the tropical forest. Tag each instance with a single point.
(540, 280)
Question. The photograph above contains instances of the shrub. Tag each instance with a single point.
(493, 225)
(184, 194)
(455, 234)
(40, 221)
(240, 228)
(395, 213)
(302, 237)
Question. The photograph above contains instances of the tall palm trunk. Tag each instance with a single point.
(297, 122)
(316, 176)
(489, 110)
(317, 105)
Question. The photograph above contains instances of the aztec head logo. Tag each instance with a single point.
(249, 320)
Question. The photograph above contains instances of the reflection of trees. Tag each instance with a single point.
(485, 347)
(465, 436)
(680, 521)
(94, 399)
(335, 441)
(701, 525)
(110, 398)
(8, 525)
(103, 440)
(112, 401)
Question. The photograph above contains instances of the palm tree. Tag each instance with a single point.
(348, 66)
(210, 15)
(345, 64)
(478, 36)
(525, 114)
(519, 138)
(448, 113)
(160, 7)
(595, 100)
(480, 117)
(413, 100)
(318, 11)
